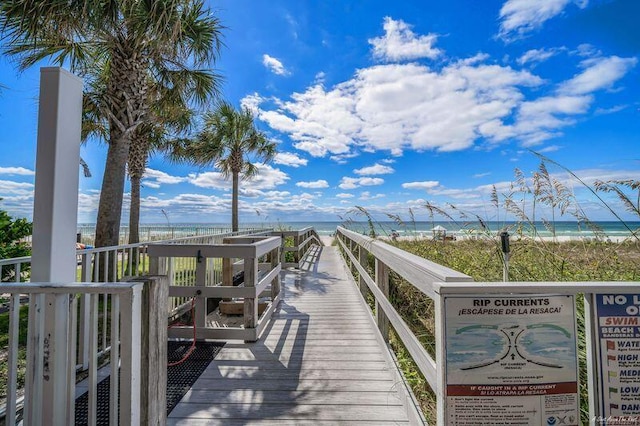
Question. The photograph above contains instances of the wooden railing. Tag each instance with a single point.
(117, 262)
(439, 283)
(297, 243)
(52, 346)
(419, 272)
(201, 272)
(149, 233)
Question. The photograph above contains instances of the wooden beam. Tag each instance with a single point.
(250, 304)
(153, 385)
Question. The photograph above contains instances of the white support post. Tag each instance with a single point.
(440, 390)
(201, 301)
(130, 347)
(250, 303)
(55, 207)
(55, 211)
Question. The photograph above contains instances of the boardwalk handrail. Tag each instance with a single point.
(118, 262)
(438, 282)
(301, 240)
(420, 272)
(205, 283)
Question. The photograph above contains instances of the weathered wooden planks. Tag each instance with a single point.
(319, 361)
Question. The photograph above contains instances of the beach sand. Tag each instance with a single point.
(558, 239)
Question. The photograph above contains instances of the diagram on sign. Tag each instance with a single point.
(514, 341)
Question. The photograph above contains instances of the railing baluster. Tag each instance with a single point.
(114, 265)
(129, 268)
(33, 382)
(105, 303)
(12, 376)
(85, 310)
(114, 361)
(72, 358)
(96, 267)
(92, 403)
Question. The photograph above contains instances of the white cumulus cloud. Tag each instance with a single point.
(599, 73)
(290, 159)
(535, 56)
(314, 184)
(465, 103)
(16, 171)
(376, 169)
(427, 184)
(400, 43)
(267, 178)
(154, 178)
(274, 65)
(352, 183)
(520, 17)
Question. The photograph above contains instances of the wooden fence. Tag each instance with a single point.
(198, 275)
(52, 351)
(438, 283)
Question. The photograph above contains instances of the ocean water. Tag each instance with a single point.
(418, 229)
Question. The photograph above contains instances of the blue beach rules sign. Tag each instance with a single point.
(617, 320)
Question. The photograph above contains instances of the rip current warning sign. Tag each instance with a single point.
(511, 360)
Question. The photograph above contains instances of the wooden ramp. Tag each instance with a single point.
(320, 361)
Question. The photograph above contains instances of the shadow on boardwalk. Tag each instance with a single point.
(317, 362)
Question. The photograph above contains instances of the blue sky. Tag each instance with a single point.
(389, 105)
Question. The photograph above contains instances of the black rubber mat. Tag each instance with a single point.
(180, 378)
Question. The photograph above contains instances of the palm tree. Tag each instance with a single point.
(169, 118)
(229, 141)
(149, 138)
(136, 42)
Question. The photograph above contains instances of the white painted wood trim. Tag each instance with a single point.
(12, 361)
(114, 360)
(130, 341)
(92, 404)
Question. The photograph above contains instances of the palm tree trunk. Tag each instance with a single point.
(134, 211)
(234, 203)
(110, 206)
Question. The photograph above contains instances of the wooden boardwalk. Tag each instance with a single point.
(320, 361)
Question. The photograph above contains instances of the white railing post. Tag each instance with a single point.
(201, 301)
(54, 231)
(250, 303)
(153, 387)
(130, 346)
(275, 284)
